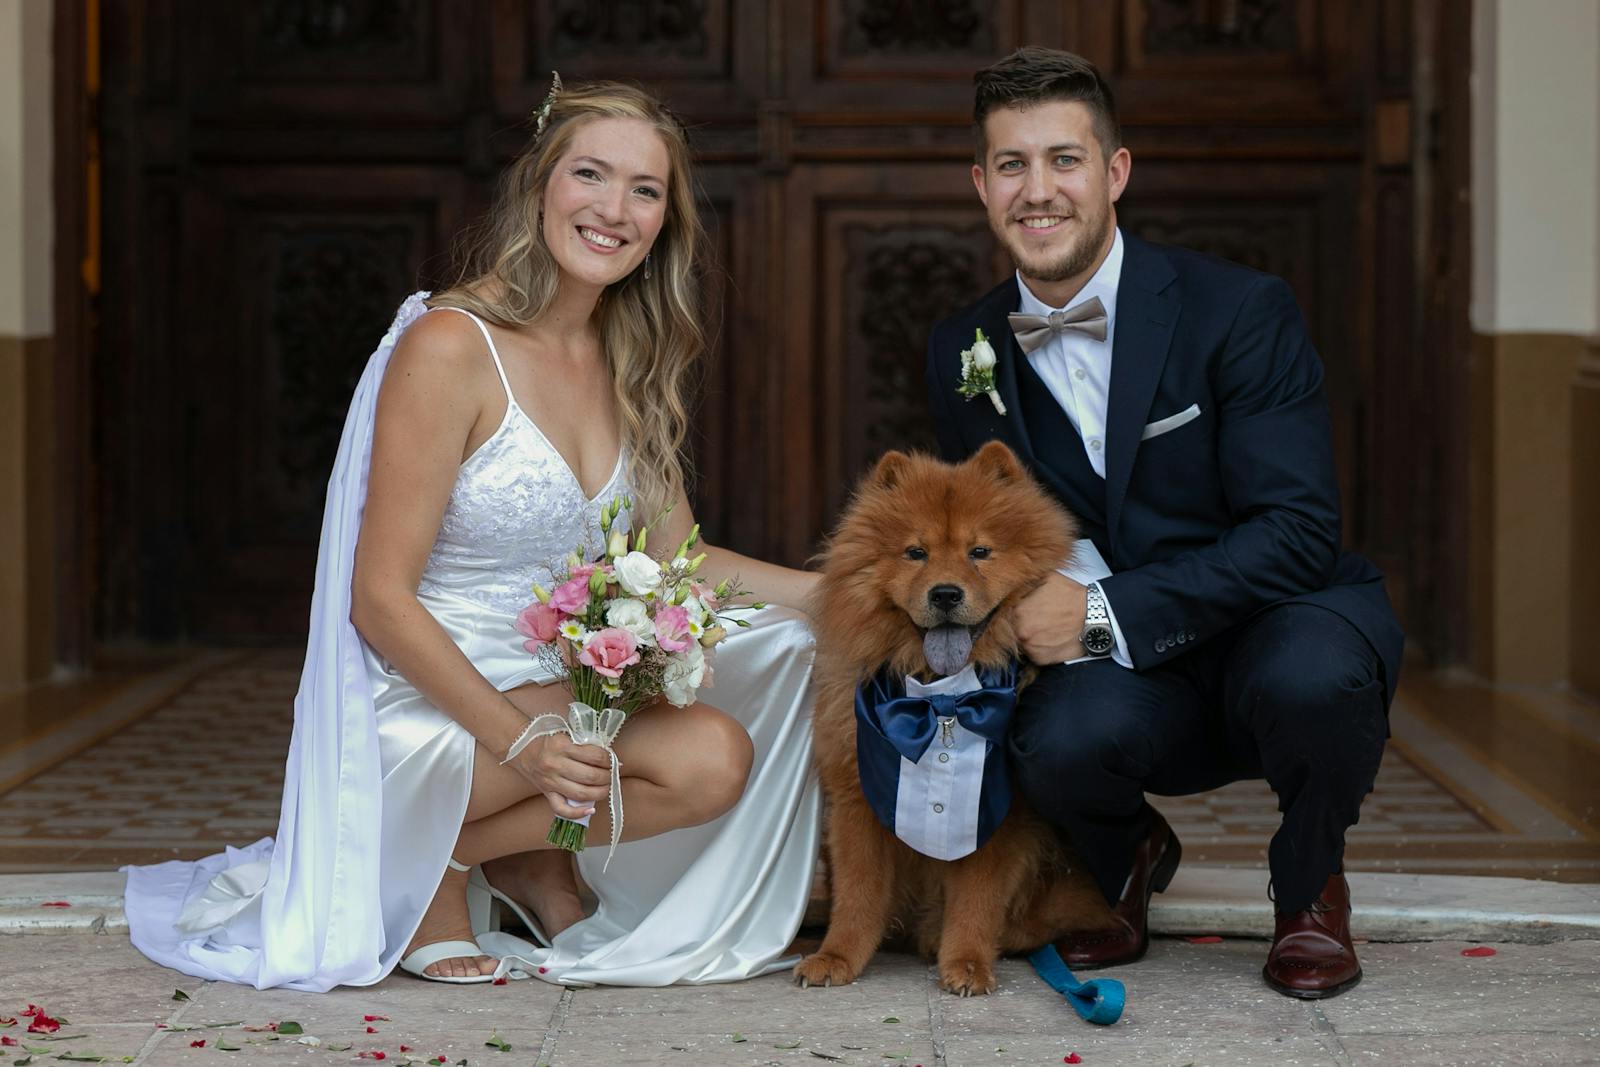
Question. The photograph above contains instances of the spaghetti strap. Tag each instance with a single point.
(494, 353)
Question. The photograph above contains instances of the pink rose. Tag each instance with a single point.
(672, 628)
(609, 651)
(583, 571)
(538, 623)
(705, 594)
(572, 595)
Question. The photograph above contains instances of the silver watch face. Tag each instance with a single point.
(1097, 640)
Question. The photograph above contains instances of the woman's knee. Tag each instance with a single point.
(717, 766)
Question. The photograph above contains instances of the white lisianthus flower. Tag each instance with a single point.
(982, 355)
(638, 574)
(696, 609)
(630, 615)
(685, 671)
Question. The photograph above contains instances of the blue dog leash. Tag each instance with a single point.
(1098, 1001)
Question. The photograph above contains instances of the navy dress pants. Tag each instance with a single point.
(1294, 695)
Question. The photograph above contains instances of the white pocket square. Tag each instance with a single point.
(1170, 423)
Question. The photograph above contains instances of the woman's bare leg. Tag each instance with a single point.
(682, 767)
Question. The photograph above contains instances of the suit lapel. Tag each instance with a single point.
(1147, 312)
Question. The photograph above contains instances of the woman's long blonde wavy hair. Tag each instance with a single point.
(650, 330)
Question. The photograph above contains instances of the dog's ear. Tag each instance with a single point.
(890, 469)
(1000, 463)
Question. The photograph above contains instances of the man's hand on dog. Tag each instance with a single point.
(1050, 621)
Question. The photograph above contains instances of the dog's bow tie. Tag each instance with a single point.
(1087, 318)
(911, 722)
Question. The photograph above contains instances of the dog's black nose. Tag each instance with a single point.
(945, 597)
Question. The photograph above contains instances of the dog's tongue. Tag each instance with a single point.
(947, 648)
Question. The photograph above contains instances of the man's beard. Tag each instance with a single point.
(1074, 261)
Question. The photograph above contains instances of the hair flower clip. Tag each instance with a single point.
(543, 116)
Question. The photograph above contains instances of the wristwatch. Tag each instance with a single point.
(1098, 639)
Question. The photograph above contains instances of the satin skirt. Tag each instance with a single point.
(711, 903)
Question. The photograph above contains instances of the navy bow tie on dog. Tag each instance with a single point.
(1087, 318)
(947, 803)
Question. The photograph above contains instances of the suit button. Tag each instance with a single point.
(939, 808)
(1161, 646)
(1171, 640)
(1182, 638)
(1192, 636)
(944, 757)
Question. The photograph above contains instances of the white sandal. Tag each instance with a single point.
(422, 957)
(485, 904)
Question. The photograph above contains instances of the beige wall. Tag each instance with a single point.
(1536, 313)
(27, 422)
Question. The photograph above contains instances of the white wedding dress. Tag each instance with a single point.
(377, 777)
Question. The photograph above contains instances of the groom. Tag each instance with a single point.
(1174, 403)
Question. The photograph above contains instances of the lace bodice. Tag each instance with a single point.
(516, 510)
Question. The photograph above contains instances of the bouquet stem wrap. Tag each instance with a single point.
(585, 726)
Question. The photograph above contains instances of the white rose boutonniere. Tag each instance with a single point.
(977, 372)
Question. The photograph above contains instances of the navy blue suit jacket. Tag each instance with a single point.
(1207, 524)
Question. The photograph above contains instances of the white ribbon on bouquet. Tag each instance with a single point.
(585, 726)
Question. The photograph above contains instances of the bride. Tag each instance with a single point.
(494, 422)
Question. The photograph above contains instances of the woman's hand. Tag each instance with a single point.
(580, 775)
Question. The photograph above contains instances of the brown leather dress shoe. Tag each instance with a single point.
(1312, 955)
(1154, 863)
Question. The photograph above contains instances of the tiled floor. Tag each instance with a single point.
(205, 769)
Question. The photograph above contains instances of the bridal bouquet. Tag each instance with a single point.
(622, 629)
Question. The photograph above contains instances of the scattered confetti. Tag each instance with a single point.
(1073, 1057)
(372, 1055)
(499, 981)
(405, 1048)
(56, 904)
(372, 1029)
(1481, 950)
(43, 1024)
(374, 1018)
(1209, 939)
(201, 1043)
(9, 1041)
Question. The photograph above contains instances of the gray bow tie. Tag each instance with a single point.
(1032, 331)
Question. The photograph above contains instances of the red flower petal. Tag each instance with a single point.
(34, 1010)
(8, 1022)
(7, 1040)
(372, 1055)
(1073, 1057)
(375, 1018)
(43, 1024)
(405, 1048)
(56, 904)
(498, 981)
(1481, 950)
(544, 970)
(372, 1029)
(1209, 939)
(197, 1044)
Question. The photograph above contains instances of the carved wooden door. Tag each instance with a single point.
(280, 174)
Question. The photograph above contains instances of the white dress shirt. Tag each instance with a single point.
(1077, 370)
(936, 805)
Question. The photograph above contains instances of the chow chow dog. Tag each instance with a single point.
(923, 575)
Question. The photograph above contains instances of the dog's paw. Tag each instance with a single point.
(967, 978)
(824, 969)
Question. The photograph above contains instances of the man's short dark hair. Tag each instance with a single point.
(1034, 75)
